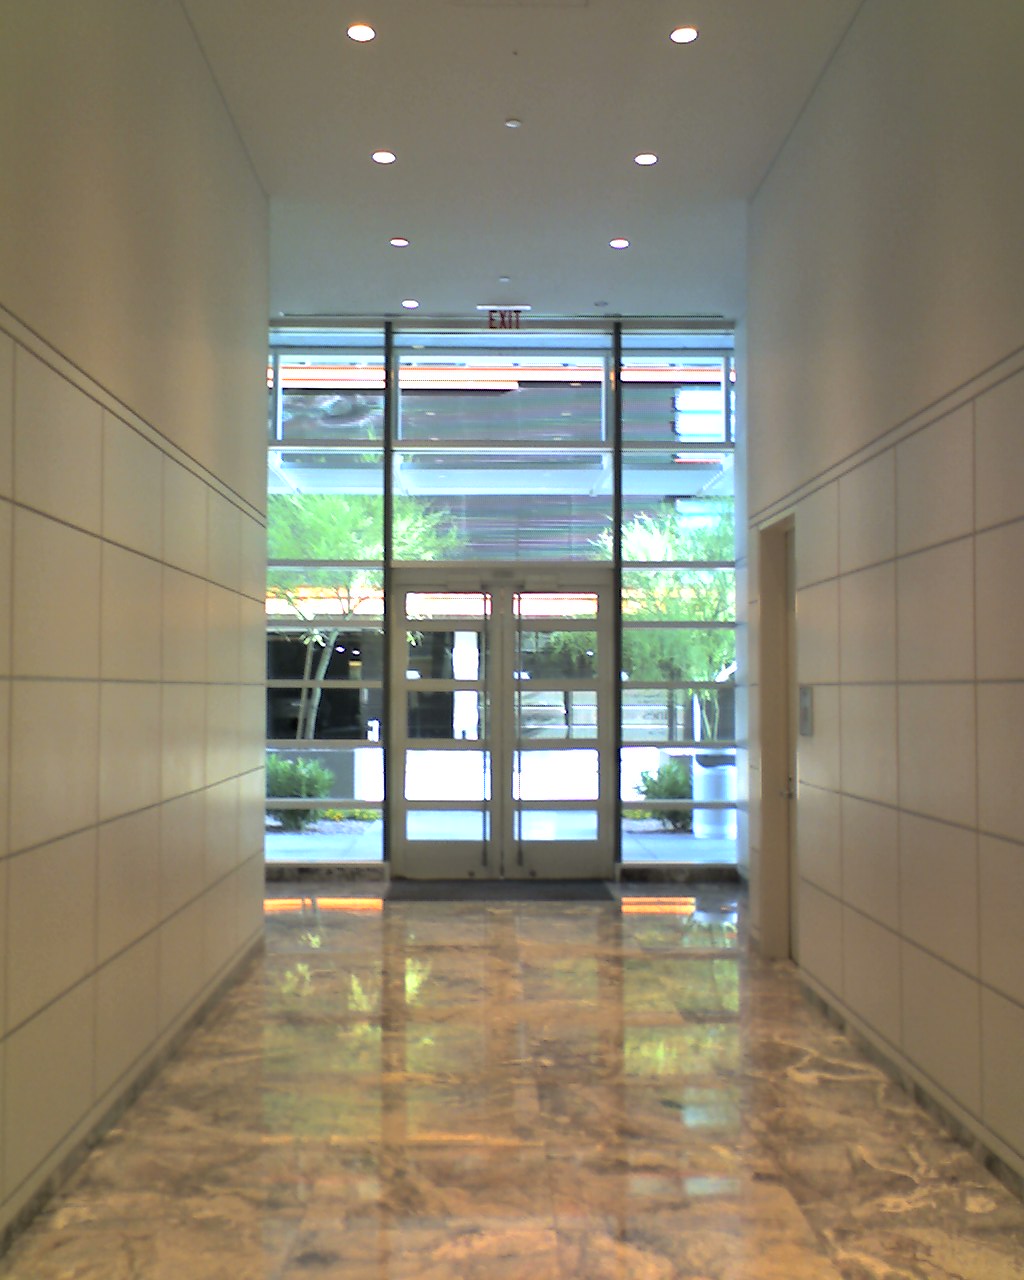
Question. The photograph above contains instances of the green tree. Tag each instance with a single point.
(332, 526)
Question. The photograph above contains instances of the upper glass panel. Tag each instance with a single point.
(535, 505)
(555, 604)
(679, 595)
(678, 653)
(675, 531)
(499, 398)
(355, 474)
(337, 397)
(694, 481)
(333, 596)
(671, 397)
(424, 606)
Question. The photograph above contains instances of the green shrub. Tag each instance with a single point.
(299, 780)
(671, 782)
(351, 815)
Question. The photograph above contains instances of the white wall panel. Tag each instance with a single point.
(867, 612)
(939, 889)
(56, 599)
(51, 936)
(1002, 1050)
(936, 613)
(6, 523)
(871, 873)
(1000, 751)
(868, 741)
(935, 483)
(871, 974)
(54, 759)
(1001, 894)
(128, 881)
(942, 1024)
(867, 513)
(999, 624)
(817, 838)
(58, 445)
(131, 635)
(132, 489)
(6, 416)
(999, 459)
(817, 610)
(937, 751)
(817, 536)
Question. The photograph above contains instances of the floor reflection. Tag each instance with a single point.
(546, 1090)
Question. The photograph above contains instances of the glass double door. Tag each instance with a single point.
(502, 737)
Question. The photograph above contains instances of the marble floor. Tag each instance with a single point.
(606, 1090)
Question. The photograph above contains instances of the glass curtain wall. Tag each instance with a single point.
(612, 445)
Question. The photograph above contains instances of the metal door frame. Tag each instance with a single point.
(501, 852)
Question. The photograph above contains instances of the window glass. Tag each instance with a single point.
(679, 714)
(342, 833)
(556, 775)
(458, 715)
(445, 655)
(556, 824)
(311, 712)
(325, 598)
(551, 655)
(556, 713)
(696, 596)
(532, 505)
(447, 825)
(492, 397)
(678, 653)
(447, 775)
(677, 506)
(337, 398)
(310, 775)
(673, 398)
(332, 654)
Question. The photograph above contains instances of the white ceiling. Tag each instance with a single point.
(593, 81)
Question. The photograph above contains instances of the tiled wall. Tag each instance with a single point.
(910, 821)
(131, 723)
(886, 421)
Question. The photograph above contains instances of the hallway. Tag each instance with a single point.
(594, 1090)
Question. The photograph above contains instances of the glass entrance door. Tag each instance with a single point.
(502, 760)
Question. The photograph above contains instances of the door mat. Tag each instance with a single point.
(498, 891)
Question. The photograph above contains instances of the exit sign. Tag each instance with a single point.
(504, 317)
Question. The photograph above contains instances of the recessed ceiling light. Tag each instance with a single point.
(384, 157)
(645, 158)
(513, 123)
(620, 242)
(361, 32)
(410, 304)
(504, 279)
(399, 242)
(684, 35)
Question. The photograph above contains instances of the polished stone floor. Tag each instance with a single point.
(601, 1090)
